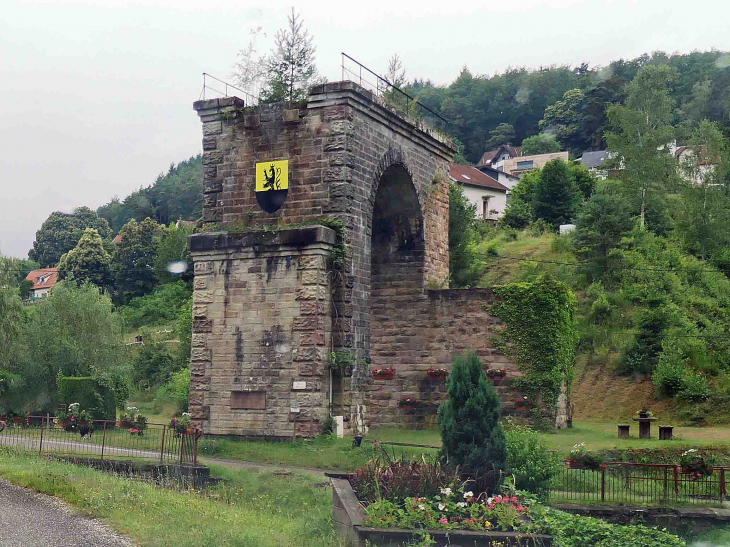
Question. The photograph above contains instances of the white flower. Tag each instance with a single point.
(446, 491)
(461, 504)
(186, 413)
(490, 500)
(421, 506)
(441, 506)
(468, 494)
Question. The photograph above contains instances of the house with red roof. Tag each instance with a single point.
(43, 281)
(489, 195)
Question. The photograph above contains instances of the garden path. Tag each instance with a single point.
(30, 518)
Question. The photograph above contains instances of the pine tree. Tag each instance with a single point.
(290, 67)
(469, 420)
(556, 197)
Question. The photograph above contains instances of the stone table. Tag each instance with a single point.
(645, 426)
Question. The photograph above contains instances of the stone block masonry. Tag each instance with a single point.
(268, 308)
(415, 332)
(261, 329)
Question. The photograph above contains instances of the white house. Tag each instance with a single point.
(489, 195)
(43, 281)
(500, 176)
(593, 161)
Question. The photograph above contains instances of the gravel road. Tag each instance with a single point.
(28, 518)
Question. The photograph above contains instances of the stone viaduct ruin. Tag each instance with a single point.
(277, 293)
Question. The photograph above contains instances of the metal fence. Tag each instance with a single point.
(640, 484)
(357, 72)
(102, 439)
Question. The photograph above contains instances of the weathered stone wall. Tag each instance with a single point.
(267, 307)
(261, 328)
(413, 333)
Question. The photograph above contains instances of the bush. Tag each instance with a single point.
(578, 531)
(158, 307)
(469, 421)
(531, 463)
(175, 391)
(94, 397)
(400, 478)
(668, 376)
(153, 364)
(694, 388)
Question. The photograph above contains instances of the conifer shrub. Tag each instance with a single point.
(469, 421)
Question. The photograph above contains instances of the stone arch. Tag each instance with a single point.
(395, 156)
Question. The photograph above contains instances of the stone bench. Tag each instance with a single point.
(623, 431)
(666, 432)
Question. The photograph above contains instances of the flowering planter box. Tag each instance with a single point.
(383, 373)
(125, 425)
(437, 374)
(348, 515)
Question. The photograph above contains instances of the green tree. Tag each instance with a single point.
(543, 143)
(464, 265)
(290, 67)
(641, 132)
(61, 232)
(583, 178)
(72, 332)
(517, 215)
(396, 75)
(12, 318)
(556, 197)
(469, 421)
(133, 267)
(153, 363)
(703, 215)
(173, 247)
(603, 221)
(504, 133)
(88, 261)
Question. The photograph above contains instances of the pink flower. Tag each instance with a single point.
(498, 499)
(520, 508)
(444, 520)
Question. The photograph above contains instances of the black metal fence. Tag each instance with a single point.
(103, 439)
(639, 484)
(357, 72)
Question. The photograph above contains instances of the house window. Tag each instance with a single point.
(524, 164)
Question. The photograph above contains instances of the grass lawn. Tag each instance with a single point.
(248, 508)
(319, 453)
(327, 453)
(596, 435)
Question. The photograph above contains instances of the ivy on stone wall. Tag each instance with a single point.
(541, 334)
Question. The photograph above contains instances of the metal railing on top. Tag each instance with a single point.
(639, 484)
(102, 439)
(250, 99)
(353, 70)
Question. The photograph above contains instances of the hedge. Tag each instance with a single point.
(92, 395)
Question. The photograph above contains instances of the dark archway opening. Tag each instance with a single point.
(398, 244)
(397, 268)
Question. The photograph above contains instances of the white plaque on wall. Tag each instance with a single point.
(299, 385)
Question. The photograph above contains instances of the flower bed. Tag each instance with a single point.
(451, 514)
(183, 424)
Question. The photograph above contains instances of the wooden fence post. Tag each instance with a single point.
(162, 446)
(676, 481)
(723, 492)
(103, 440)
(603, 484)
(40, 445)
(182, 446)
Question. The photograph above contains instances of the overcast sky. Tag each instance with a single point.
(96, 96)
